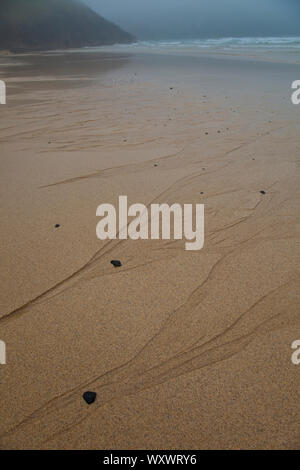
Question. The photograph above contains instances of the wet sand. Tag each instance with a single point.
(186, 350)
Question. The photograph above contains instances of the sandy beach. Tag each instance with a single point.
(185, 350)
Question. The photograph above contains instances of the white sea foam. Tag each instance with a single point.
(225, 43)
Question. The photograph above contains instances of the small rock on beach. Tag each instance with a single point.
(89, 397)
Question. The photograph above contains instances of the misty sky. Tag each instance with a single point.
(176, 19)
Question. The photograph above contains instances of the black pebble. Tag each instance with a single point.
(116, 263)
(89, 397)
(57, 225)
(262, 192)
(206, 133)
(202, 192)
(171, 88)
(155, 164)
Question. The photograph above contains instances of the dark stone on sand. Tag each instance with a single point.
(262, 192)
(155, 164)
(206, 133)
(116, 263)
(171, 88)
(89, 397)
(202, 192)
(56, 225)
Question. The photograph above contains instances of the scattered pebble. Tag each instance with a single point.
(171, 88)
(116, 263)
(202, 192)
(206, 133)
(219, 132)
(155, 164)
(262, 192)
(89, 397)
(56, 225)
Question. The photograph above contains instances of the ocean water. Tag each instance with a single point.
(290, 43)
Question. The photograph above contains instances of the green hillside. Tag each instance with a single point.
(53, 24)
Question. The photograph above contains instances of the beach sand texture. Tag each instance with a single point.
(186, 350)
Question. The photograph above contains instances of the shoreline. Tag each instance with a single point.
(215, 47)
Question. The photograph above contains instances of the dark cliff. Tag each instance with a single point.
(27, 25)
